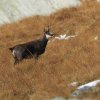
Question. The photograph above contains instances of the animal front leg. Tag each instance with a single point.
(36, 57)
(16, 61)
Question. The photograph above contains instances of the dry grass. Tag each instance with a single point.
(77, 59)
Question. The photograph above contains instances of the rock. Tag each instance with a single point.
(89, 87)
(58, 98)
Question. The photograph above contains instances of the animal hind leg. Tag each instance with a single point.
(16, 61)
(18, 58)
(36, 58)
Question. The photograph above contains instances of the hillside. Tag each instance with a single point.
(65, 61)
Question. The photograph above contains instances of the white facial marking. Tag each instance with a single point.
(48, 36)
(13, 53)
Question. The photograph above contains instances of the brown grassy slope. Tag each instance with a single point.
(77, 59)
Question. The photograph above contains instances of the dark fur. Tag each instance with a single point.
(30, 49)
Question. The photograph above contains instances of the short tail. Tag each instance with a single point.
(11, 49)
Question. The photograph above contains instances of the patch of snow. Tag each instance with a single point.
(73, 84)
(91, 84)
(84, 88)
(58, 98)
(13, 10)
(68, 37)
(65, 37)
(98, 0)
(61, 37)
(96, 38)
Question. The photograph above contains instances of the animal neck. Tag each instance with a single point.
(44, 41)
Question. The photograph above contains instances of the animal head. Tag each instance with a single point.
(47, 32)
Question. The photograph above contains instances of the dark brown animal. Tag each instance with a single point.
(31, 49)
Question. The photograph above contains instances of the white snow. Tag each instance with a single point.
(61, 37)
(13, 10)
(65, 37)
(58, 98)
(96, 38)
(84, 88)
(89, 85)
(68, 37)
(98, 0)
(73, 84)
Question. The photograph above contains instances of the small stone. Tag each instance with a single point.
(58, 98)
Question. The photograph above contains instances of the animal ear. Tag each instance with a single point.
(47, 29)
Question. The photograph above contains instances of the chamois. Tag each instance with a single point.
(31, 49)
